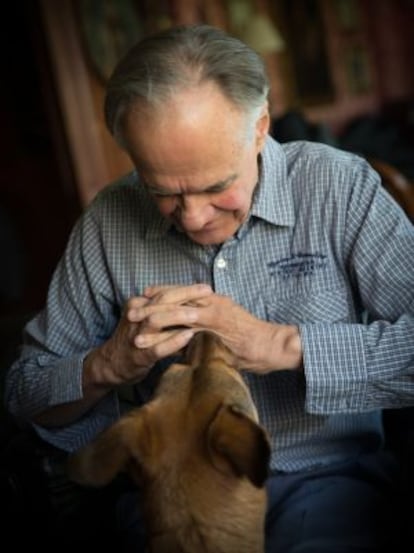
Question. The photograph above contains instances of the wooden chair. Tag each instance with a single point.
(397, 184)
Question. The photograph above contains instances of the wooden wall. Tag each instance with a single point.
(369, 56)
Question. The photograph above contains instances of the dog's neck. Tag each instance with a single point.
(179, 524)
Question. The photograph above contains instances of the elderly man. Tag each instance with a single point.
(293, 254)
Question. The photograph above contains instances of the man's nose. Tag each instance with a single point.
(192, 211)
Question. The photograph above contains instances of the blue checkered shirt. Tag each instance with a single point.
(325, 247)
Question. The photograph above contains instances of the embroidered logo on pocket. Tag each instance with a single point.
(299, 264)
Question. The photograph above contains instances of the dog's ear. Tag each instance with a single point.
(238, 444)
(111, 452)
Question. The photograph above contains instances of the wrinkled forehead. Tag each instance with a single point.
(195, 123)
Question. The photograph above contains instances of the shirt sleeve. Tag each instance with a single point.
(352, 368)
(80, 313)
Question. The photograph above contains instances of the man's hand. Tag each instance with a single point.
(259, 345)
(122, 360)
(161, 323)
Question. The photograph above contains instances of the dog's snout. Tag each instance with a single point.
(206, 348)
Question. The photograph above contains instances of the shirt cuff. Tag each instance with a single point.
(335, 368)
(66, 380)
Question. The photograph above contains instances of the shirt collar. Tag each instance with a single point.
(273, 200)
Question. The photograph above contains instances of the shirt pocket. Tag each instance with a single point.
(318, 306)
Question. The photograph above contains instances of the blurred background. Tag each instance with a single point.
(342, 72)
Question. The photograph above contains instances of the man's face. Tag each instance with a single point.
(197, 161)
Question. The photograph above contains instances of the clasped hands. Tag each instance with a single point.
(163, 320)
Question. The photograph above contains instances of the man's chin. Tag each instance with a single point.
(208, 238)
(214, 235)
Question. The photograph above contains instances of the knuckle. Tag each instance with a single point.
(130, 303)
(134, 302)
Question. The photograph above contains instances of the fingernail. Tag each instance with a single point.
(205, 288)
(140, 341)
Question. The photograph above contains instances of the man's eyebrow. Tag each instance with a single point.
(222, 184)
(218, 186)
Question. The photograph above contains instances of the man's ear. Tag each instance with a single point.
(238, 445)
(110, 453)
(262, 127)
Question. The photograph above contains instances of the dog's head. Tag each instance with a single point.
(197, 437)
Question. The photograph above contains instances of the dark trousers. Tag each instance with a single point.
(346, 508)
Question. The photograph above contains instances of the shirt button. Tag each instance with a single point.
(221, 263)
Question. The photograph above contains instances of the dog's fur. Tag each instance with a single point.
(198, 453)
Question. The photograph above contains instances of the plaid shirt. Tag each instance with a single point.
(325, 247)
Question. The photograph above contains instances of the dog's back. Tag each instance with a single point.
(198, 453)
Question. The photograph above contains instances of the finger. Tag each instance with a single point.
(151, 291)
(132, 305)
(164, 315)
(177, 294)
(173, 345)
(164, 343)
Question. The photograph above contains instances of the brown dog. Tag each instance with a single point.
(198, 454)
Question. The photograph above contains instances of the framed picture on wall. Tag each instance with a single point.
(357, 67)
(109, 28)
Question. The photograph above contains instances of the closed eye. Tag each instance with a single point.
(212, 189)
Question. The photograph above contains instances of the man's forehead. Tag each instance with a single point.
(168, 189)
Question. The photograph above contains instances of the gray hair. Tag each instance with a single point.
(181, 57)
